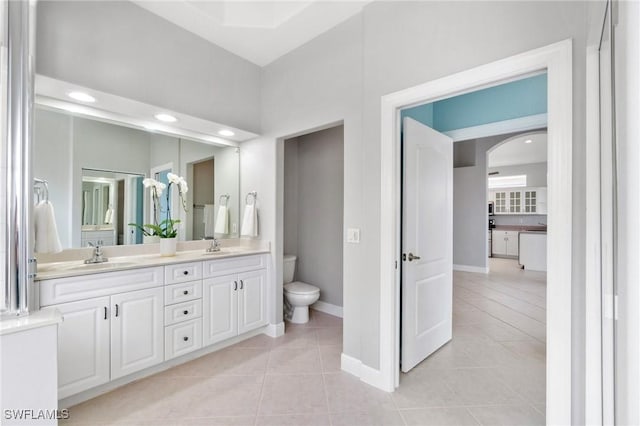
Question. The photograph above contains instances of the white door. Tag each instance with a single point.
(427, 283)
(219, 308)
(83, 345)
(252, 307)
(512, 244)
(137, 331)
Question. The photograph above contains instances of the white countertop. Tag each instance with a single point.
(27, 322)
(77, 267)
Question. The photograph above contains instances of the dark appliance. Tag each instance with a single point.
(490, 208)
(492, 224)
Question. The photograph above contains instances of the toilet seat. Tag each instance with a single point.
(298, 287)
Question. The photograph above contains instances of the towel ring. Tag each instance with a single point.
(253, 194)
(226, 199)
(41, 185)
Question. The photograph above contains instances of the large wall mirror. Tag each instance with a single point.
(95, 171)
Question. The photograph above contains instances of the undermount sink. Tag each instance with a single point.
(225, 250)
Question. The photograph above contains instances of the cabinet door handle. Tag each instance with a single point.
(117, 309)
(105, 312)
(185, 292)
(186, 272)
(235, 285)
(185, 312)
(185, 338)
(241, 284)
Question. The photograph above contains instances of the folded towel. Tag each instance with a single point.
(222, 221)
(250, 221)
(208, 219)
(46, 231)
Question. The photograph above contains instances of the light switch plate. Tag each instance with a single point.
(353, 235)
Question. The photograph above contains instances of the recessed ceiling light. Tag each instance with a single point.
(528, 141)
(81, 96)
(226, 132)
(166, 118)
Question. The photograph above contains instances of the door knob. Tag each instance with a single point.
(413, 257)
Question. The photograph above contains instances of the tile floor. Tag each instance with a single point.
(491, 373)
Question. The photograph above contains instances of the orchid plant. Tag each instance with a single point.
(165, 228)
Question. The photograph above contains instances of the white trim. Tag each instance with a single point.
(470, 268)
(521, 124)
(274, 330)
(328, 308)
(557, 60)
(365, 373)
(593, 282)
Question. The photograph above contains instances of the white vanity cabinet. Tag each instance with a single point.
(233, 303)
(183, 309)
(107, 332)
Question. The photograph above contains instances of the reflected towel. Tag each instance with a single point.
(222, 221)
(46, 231)
(250, 221)
(207, 218)
(108, 217)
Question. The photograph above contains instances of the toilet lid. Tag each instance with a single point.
(298, 287)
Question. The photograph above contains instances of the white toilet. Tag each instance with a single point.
(298, 295)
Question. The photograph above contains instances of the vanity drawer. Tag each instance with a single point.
(182, 272)
(182, 338)
(177, 293)
(182, 311)
(218, 267)
(70, 289)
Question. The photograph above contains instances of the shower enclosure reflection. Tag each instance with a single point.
(111, 200)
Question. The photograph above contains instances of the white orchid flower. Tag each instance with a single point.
(173, 178)
(149, 182)
(184, 188)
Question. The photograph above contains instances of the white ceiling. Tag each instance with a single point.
(259, 31)
(516, 151)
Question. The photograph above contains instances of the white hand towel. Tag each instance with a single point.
(108, 216)
(46, 231)
(250, 221)
(222, 221)
(208, 219)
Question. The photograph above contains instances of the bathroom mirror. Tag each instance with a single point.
(95, 170)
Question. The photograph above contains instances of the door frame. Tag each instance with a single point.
(556, 59)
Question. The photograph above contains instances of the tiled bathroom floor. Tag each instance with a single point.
(491, 373)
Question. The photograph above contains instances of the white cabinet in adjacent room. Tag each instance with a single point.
(137, 328)
(504, 243)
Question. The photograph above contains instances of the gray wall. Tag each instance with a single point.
(390, 46)
(120, 48)
(313, 201)
(470, 213)
(536, 172)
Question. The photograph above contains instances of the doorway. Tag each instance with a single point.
(556, 60)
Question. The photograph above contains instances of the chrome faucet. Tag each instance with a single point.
(214, 247)
(97, 253)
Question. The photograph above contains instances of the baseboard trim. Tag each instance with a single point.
(367, 374)
(469, 268)
(274, 330)
(328, 308)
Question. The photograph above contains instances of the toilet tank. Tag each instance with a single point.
(289, 268)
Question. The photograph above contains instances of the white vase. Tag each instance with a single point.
(150, 239)
(168, 246)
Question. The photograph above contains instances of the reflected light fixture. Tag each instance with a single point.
(226, 132)
(528, 141)
(81, 96)
(167, 118)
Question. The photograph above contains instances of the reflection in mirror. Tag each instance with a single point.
(95, 171)
(111, 200)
